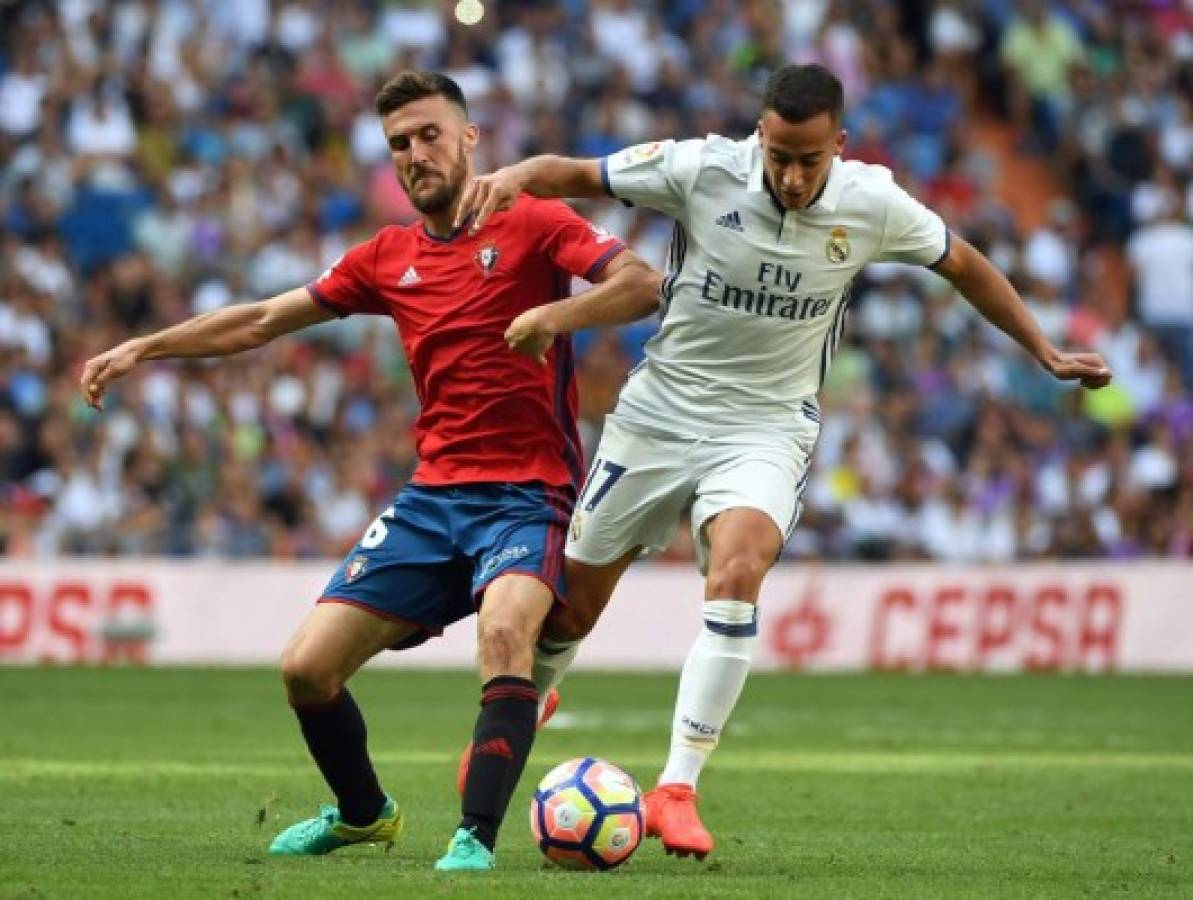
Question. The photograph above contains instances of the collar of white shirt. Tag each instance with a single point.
(829, 194)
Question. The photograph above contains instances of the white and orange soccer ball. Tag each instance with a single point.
(587, 814)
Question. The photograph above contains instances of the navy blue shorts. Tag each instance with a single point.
(428, 558)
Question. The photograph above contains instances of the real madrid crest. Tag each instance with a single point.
(577, 525)
(486, 257)
(837, 247)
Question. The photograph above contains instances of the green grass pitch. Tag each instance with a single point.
(170, 784)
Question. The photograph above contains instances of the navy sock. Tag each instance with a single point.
(336, 736)
(500, 744)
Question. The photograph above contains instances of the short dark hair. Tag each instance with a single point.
(406, 87)
(797, 93)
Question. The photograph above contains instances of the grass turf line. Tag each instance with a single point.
(135, 783)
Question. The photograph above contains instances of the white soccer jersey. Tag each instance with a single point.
(755, 297)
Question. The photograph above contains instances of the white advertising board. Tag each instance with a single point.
(1064, 617)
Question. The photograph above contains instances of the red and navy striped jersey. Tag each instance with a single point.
(488, 414)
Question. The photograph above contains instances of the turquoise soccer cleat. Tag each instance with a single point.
(327, 832)
(466, 854)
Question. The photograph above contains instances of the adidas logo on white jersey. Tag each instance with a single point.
(410, 278)
(731, 220)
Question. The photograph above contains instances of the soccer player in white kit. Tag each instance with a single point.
(722, 414)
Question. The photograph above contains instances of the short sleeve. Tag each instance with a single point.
(913, 233)
(658, 175)
(572, 242)
(347, 286)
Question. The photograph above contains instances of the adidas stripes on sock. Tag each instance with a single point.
(501, 742)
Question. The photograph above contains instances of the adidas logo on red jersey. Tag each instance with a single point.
(410, 278)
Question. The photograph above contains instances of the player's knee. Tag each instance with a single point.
(502, 642)
(498, 636)
(307, 678)
(739, 576)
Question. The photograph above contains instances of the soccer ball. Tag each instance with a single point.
(587, 814)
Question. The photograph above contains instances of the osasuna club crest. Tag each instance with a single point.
(837, 248)
(356, 566)
(486, 258)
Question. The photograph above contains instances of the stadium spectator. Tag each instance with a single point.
(162, 159)
(1040, 48)
(1161, 254)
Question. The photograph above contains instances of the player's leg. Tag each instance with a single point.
(635, 490)
(511, 616)
(745, 506)
(743, 544)
(520, 576)
(510, 619)
(515, 535)
(393, 590)
(588, 592)
(331, 645)
(589, 589)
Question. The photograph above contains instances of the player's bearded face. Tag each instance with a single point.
(430, 142)
(797, 156)
(433, 185)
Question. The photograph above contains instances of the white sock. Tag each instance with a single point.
(551, 661)
(712, 679)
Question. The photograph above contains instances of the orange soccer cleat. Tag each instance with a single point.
(671, 814)
(549, 707)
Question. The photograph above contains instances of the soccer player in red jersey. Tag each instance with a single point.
(483, 523)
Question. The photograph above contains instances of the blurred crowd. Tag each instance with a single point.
(162, 158)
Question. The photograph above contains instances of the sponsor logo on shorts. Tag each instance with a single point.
(508, 555)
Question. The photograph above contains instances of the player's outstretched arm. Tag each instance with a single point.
(541, 176)
(989, 292)
(627, 289)
(223, 332)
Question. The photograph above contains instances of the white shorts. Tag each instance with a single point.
(643, 479)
